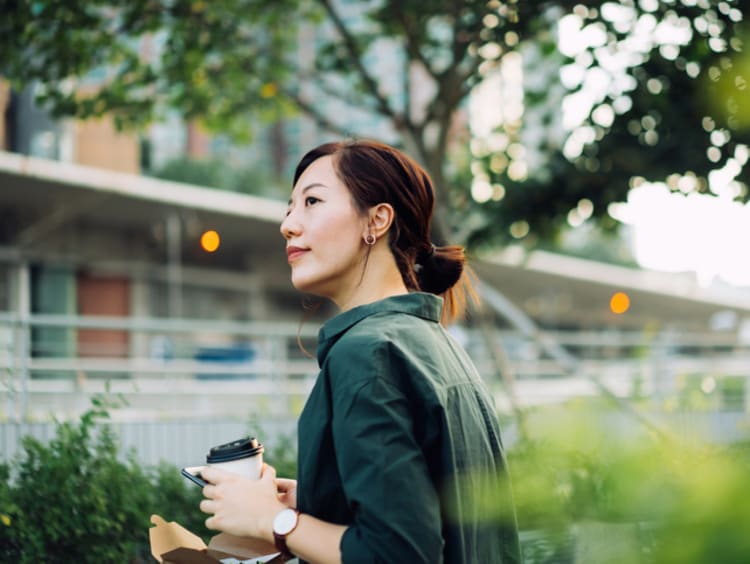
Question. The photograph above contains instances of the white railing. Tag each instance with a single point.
(180, 442)
(167, 368)
(185, 442)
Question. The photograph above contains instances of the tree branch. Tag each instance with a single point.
(315, 115)
(411, 43)
(407, 90)
(331, 91)
(356, 59)
(472, 71)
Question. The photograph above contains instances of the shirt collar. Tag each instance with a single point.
(420, 304)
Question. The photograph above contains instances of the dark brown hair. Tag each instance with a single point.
(376, 173)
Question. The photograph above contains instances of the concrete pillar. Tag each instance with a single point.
(20, 306)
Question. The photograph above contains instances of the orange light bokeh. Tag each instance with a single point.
(210, 241)
(619, 303)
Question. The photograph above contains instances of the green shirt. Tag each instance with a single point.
(399, 440)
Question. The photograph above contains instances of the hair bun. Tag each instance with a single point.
(440, 268)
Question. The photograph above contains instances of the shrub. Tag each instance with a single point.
(73, 499)
(76, 500)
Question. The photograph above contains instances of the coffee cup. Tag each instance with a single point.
(243, 456)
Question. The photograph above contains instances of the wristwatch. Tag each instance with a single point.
(283, 524)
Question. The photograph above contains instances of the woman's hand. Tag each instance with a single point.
(242, 506)
(287, 490)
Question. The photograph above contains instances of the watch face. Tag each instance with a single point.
(285, 522)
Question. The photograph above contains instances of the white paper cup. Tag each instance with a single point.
(243, 456)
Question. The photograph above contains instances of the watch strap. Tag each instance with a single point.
(279, 540)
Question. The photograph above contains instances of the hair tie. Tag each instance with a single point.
(425, 256)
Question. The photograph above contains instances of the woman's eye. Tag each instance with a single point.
(310, 200)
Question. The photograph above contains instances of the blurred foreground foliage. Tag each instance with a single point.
(584, 491)
(672, 501)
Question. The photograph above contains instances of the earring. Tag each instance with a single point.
(370, 240)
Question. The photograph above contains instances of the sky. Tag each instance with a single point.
(672, 232)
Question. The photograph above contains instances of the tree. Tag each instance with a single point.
(661, 89)
(230, 62)
(216, 173)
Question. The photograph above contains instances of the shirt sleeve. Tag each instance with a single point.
(383, 469)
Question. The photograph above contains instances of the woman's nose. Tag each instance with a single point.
(289, 227)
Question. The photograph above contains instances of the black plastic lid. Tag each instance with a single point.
(236, 450)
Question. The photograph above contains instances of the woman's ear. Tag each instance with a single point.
(381, 218)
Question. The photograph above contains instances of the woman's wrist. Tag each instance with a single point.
(267, 527)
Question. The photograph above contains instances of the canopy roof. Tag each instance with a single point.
(51, 210)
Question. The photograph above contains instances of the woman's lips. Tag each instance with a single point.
(293, 253)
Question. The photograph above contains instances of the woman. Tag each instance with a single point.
(400, 458)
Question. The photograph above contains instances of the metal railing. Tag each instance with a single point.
(165, 367)
(52, 364)
(188, 383)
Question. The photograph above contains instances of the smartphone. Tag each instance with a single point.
(193, 473)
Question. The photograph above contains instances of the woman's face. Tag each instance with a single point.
(324, 234)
